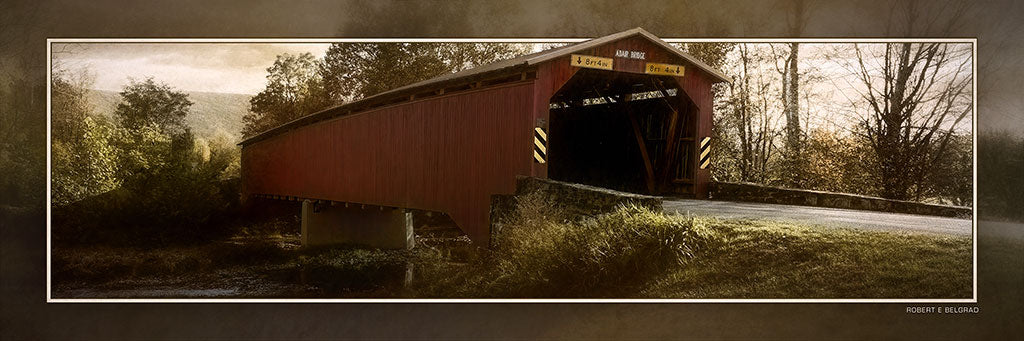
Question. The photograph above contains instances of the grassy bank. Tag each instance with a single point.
(634, 252)
(629, 253)
(753, 259)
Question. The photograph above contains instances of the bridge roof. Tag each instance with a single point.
(511, 65)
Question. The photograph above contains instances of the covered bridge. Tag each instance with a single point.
(626, 111)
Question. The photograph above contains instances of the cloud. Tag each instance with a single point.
(207, 67)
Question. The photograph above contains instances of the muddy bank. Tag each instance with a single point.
(268, 267)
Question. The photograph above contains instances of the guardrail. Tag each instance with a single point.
(734, 191)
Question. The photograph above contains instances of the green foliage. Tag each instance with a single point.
(178, 199)
(145, 150)
(212, 114)
(154, 141)
(301, 85)
(359, 70)
(149, 104)
(86, 168)
(84, 159)
(735, 259)
(221, 152)
(713, 54)
(172, 186)
(70, 106)
(294, 89)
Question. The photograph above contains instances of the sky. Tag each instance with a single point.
(201, 67)
(241, 68)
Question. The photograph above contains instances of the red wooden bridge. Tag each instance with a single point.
(626, 111)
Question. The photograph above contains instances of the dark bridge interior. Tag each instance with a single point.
(596, 119)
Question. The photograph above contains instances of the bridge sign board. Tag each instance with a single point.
(664, 69)
(592, 62)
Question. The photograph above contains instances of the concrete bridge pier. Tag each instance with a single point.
(387, 228)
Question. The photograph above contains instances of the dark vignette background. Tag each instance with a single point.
(26, 24)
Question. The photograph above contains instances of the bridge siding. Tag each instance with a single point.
(447, 154)
(697, 85)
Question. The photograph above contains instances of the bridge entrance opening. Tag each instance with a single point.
(624, 131)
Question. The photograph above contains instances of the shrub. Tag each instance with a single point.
(146, 180)
(177, 199)
(85, 167)
(613, 254)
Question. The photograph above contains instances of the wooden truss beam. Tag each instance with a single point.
(648, 167)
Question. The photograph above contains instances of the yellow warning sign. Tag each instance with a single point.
(664, 69)
(540, 145)
(705, 153)
(592, 62)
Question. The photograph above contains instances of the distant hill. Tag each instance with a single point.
(211, 114)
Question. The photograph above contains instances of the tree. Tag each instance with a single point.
(713, 54)
(294, 89)
(148, 103)
(84, 159)
(917, 95)
(85, 167)
(69, 105)
(751, 116)
(790, 73)
(153, 135)
(300, 85)
(950, 177)
(168, 184)
(359, 70)
(796, 19)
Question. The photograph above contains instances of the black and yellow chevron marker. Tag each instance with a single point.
(540, 145)
(705, 152)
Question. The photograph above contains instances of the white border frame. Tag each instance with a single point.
(49, 194)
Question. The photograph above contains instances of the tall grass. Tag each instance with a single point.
(542, 253)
